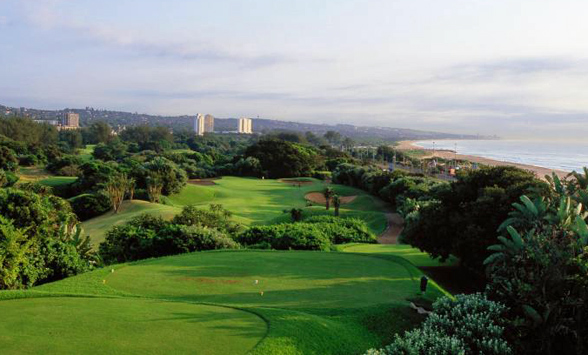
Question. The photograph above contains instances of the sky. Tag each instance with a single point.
(514, 68)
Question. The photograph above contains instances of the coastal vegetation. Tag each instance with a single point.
(221, 236)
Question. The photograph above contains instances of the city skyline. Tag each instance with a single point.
(515, 69)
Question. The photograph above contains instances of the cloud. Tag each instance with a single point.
(47, 15)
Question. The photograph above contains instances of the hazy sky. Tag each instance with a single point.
(507, 67)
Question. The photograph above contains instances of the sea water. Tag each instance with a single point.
(566, 156)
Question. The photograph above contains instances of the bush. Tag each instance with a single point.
(469, 325)
(90, 205)
(343, 230)
(297, 236)
(8, 178)
(176, 239)
(147, 236)
(8, 159)
(67, 165)
(35, 245)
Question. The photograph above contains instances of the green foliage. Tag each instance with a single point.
(7, 178)
(90, 205)
(540, 270)
(114, 149)
(280, 158)
(314, 233)
(8, 159)
(147, 236)
(464, 221)
(33, 226)
(470, 324)
(97, 132)
(173, 179)
(14, 248)
(344, 230)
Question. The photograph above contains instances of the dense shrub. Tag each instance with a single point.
(540, 270)
(35, 243)
(148, 236)
(314, 233)
(90, 205)
(67, 165)
(469, 325)
(214, 217)
(469, 211)
(343, 230)
(297, 236)
(7, 178)
(8, 159)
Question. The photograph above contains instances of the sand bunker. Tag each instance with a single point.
(204, 182)
(318, 197)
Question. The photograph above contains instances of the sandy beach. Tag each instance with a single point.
(447, 154)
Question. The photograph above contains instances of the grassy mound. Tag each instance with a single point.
(314, 302)
(98, 226)
(114, 326)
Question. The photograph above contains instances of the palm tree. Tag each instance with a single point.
(328, 193)
(336, 204)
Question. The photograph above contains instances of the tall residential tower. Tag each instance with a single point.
(199, 124)
(245, 126)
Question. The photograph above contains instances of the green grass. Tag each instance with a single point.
(252, 201)
(113, 326)
(257, 201)
(54, 181)
(312, 302)
(97, 227)
(86, 153)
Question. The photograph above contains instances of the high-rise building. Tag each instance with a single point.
(209, 123)
(70, 120)
(199, 124)
(245, 126)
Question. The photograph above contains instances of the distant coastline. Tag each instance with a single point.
(450, 154)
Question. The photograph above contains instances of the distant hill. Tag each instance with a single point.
(119, 118)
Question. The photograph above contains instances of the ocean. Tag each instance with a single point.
(566, 156)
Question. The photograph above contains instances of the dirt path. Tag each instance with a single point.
(395, 224)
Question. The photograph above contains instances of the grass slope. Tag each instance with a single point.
(313, 302)
(257, 201)
(98, 226)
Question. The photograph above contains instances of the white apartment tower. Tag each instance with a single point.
(199, 124)
(245, 126)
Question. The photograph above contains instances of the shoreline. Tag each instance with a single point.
(449, 154)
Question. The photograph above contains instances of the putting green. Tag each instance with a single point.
(115, 326)
(293, 280)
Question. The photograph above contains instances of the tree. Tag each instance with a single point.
(72, 138)
(333, 137)
(328, 193)
(116, 189)
(348, 143)
(154, 187)
(336, 204)
(461, 218)
(97, 132)
(539, 269)
(283, 159)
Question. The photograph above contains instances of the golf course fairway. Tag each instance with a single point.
(109, 326)
(220, 302)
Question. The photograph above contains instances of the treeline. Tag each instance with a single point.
(528, 238)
